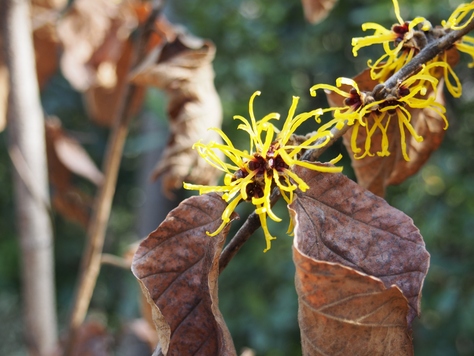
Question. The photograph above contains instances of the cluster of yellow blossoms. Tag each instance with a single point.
(378, 110)
(253, 175)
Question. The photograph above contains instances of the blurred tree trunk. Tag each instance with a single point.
(28, 153)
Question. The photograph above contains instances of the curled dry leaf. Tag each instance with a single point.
(375, 173)
(177, 266)
(183, 69)
(93, 33)
(65, 158)
(345, 312)
(317, 10)
(103, 102)
(339, 221)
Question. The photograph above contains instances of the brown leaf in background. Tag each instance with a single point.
(317, 10)
(375, 173)
(65, 158)
(44, 17)
(44, 13)
(339, 221)
(183, 69)
(46, 47)
(50, 4)
(93, 33)
(92, 340)
(103, 102)
(345, 312)
(178, 267)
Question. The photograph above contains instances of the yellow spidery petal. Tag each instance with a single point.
(404, 117)
(416, 21)
(384, 141)
(266, 232)
(264, 201)
(379, 29)
(467, 46)
(225, 216)
(359, 42)
(316, 87)
(245, 182)
(402, 137)
(456, 88)
(396, 7)
(300, 182)
(268, 140)
(369, 130)
(354, 135)
(458, 16)
(316, 167)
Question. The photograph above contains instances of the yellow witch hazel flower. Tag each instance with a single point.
(377, 111)
(457, 21)
(400, 43)
(252, 175)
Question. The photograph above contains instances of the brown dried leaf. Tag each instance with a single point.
(92, 340)
(339, 221)
(183, 69)
(177, 266)
(317, 10)
(46, 47)
(103, 102)
(345, 312)
(50, 4)
(93, 33)
(44, 16)
(71, 154)
(65, 157)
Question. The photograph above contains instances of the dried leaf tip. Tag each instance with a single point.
(268, 164)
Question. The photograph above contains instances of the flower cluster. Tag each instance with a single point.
(406, 41)
(377, 110)
(406, 38)
(252, 175)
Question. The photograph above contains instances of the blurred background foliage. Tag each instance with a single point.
(263, 45)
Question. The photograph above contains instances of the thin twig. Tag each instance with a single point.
(91, 260)
(116, 261)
